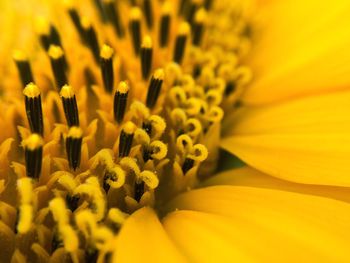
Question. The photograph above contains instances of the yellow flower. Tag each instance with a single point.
(113, 115)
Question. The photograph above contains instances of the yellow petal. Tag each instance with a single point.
(264, 225)
(310, 159)
(303, 50)
(247, 176)
(143, 239)
(304, 141)
(316, 114)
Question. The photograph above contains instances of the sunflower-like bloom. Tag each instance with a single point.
(114, 113)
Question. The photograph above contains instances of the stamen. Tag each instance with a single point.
(198, 26)
(187, 165)
(23, 66)
(164, 28)
(146, 57)
(120, 101)
(55, 38)
(139, 190)
(26, 214)
(156, 150)
(73, 146)
(144, 178)
(135, 29)
(70, 105)
(180, 43)
(114, 178)
(107, 67)
(90, 37)
(126, 138)
(154, 88)
(182, 7)
(147, 9)
(33, 108)
(33, 151)
(191, 9)
(208, 4)
(113, 15)
(58, 65)
(73, 13)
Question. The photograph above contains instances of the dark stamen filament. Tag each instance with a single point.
(180, 43)
(120, 101)
(73, 13)
(135, 29)
(154, 88)
(126, 138)
(146, 57)
(33, 151)
(147, 9)
(33, 108)
(24, 69)
(198, 27)
(73, 146)
(113, 15)
(70, 105)
(90, 38)
(57, 60)
(106, 55)
(164, 26)
(187, 165)
(139, 190)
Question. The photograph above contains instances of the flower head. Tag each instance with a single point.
(114, 117)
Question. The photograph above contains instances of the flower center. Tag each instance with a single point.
(126, 124)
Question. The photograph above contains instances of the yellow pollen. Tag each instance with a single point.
(166, 8)
(42, 26)
(201, 16)
(33, 142)
(85, 22)
(149, 178)
(75, 132)
(67, 92)
(120, 176)
(129, 127)
(55, 52)
(184, 28)
(200, 153)
(117, 216)
(141, 136)
(19, 55)
(130, 163)
(31, 91)
(147, 42)
(123, 87)
(135, 13)
(159, 74)
(160, 150)
(106, 52)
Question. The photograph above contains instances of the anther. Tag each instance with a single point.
(23, 67)
(33, 151)
(230, 87)
(139, 190)
(120, 101)
(106, 55)
(70, 105)
(33, 108)
(208, 4)
(146, 57)
(90, 37)
(191, 9)
(187, 165)
(198, 26)
(73, 13)
(148, 13)
(57, 60)
(113, 15)
(73, 146)
(126, 139)
(154, 88)
(156, 150)
(180, 43)
(135, 28)
(164, 28)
